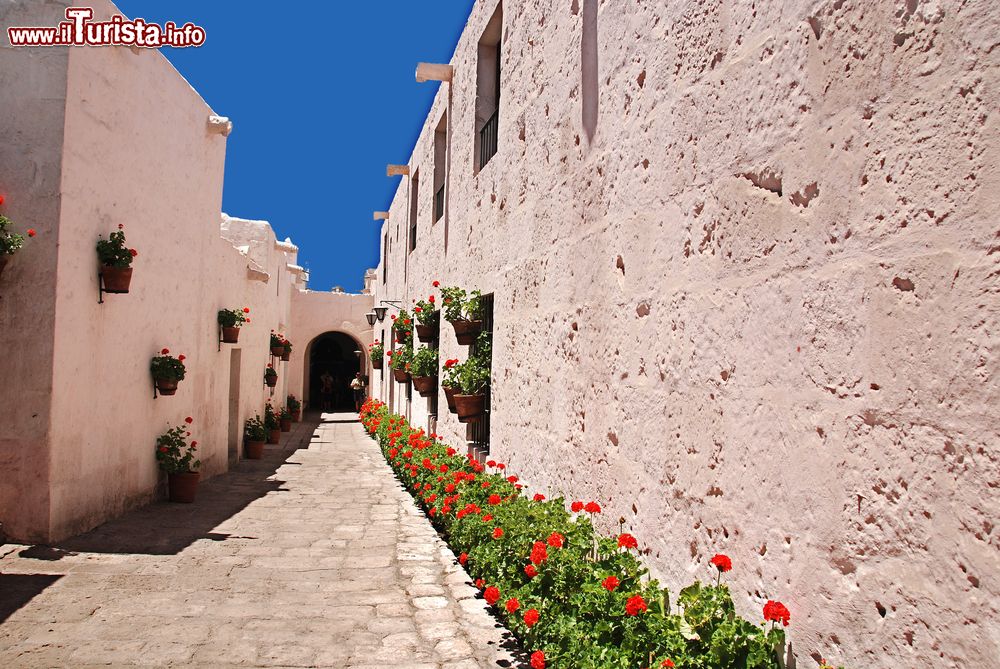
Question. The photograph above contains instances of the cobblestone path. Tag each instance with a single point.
(312, 557)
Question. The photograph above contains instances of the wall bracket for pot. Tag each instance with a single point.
(100, 288)
(154, 389)
(220, 337)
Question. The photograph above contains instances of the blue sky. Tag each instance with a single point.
(315, 120)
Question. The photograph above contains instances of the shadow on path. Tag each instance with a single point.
(16, 590)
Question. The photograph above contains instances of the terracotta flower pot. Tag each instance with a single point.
(297, 416)
(271, 381)
(255, 450)
(449, 394)
(286, 354)
(230, 335)
(470, 407)
(183, 486)
(274, 436)
(116, 279)
(377, 364)
(466, 331)
(400, 336)
(427, 333)
(277, 351)
(286, 425)
(166, 386)
(425, 385)
(401, 375)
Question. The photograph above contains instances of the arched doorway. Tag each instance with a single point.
(334, 353)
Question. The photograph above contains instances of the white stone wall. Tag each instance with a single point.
(744, 257)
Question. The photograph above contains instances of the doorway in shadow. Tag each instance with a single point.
(333, 362)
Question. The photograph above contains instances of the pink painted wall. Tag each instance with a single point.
(744, 264)
(136, 150)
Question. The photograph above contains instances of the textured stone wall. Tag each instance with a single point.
(745, 264)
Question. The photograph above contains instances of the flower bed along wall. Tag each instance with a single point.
(574, 598)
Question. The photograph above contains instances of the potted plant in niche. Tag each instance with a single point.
(294, 407)
(231, 320)
(270, 376)
(285, 420)
(400, 363)
(271, 425)
(116, 261)
(10, 242)
(402, 327)
(464, 312)
(473, 379)
(167, 371)
(376, 351)
(254, 436)
(451, 384)
(177, 459)
(277, 344)
(424, 369)
(286, 354)
(428, 320)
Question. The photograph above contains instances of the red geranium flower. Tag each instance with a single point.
(416, 310)
(539, 497)
(246, 310)
(165, 351)
(491, 595)
(133, 252)
(31, 232)
(512, 605)
(531, 571)
(479, 583)
(436, 284)
(538, 657)
(556, 540)
(539, 553)
(592, 507)
(463, 558)
(512, 479)
(610, 583)
(430, 299)
(181, 357)
(494, 500)
(491, 463)
(635, 605)
(189, 420)
(776, 612)
(577, 507)
(497, 532)
(667, 663)
(627, 541)
(530, 617)
(722, 562)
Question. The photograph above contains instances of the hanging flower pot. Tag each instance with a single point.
(183, 486)
(286, 353)
(116, 262)
(449, 394)
(427, 333)
(167, 371)
(116, 279)
(428, 320)
(377, 364)
(466, 331)
(401, 375)
(425, 385)
(270, 377)
(10, 242)
(401, 336)
(230, 320)
(470, 408)
(277, 345)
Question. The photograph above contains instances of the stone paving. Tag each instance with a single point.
(312, 557)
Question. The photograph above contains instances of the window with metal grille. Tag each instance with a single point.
(488, 90)
(478, 433)
(414, 200)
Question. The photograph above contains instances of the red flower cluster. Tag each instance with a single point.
(610, 583)
(556, 540)
(539, 497)
(537, 659)
(497, 532)
(776, 612)
(627, 541)
(539, 553)
(635, 605)
(512, 605)
(530, 617)
(722, 562)
(31, 232)
(463, 558)
(530, 571)
(436, 284)
(491, 595)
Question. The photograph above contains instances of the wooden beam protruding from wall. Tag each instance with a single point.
(380, 216)
(397, 170)
(434, 72)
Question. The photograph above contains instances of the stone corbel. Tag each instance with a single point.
(220, 125)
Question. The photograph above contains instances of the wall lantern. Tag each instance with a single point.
(371, 316)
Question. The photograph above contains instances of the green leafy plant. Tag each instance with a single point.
(401, 358)
(167, 367)
(112, 251)
(452, 369)
(460, 305)
(575, 598)
(426, 312)
(284, 415)
(269, 372)
(293, 403)
(288, 345)
(473, 375)
(10, 242)
(254, 429)
(425, 362)
(173, 453)
(233, 318)
(376, 351)
(276, 340)
(270, 418)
